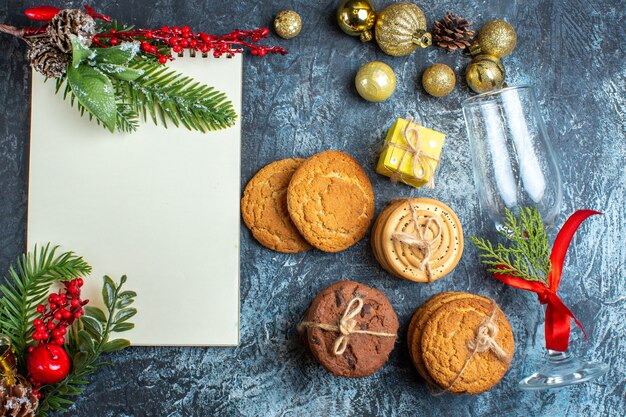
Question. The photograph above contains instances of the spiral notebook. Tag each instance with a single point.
(159, 205)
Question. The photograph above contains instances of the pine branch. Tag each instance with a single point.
(167, 95)
(28, 285)
(527, 256)
(88, 339)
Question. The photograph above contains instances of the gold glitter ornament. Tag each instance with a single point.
(496, 38)
(357, 18)
(287, 24)
(401, 28)
(375, 81)
(438, 80)
(485, 73)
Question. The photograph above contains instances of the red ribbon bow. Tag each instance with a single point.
(558, 316)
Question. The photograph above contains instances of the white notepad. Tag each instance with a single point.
(160, 205)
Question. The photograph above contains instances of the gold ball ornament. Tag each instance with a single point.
(401, 29)
(287, 24)
(375, 81)
(438, 80)
(485, 73)
(357, 18)
(496, 38)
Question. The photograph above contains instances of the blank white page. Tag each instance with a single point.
(159, 205)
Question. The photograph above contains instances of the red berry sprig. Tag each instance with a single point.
(63, 308)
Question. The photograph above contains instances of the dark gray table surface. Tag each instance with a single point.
(571, 50)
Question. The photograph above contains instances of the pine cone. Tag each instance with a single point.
(17, 400)
(47, 59)
(452, 33)
(71, 22)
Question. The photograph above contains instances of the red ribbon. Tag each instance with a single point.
(558, 316)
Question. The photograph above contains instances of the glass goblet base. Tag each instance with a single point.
(562, 369)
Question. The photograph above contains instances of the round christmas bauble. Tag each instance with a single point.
(287, 24)
(485, 73)
(48, 364)
(357, 18)
(438, 80)
(496, 38)
(401, 28)
(375, 81)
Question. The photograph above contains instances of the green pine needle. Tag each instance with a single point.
(88, 339)
(167, 95)
(27, 286)
(528, 254)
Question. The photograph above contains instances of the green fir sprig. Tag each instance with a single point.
(118, 85)
(27, 285)
(527, 254)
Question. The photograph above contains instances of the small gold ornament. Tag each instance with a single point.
(496, 38)
(401, 28)
(357, 18)
(438, 80)
(287, 24)
(485, 73)
(375, 81)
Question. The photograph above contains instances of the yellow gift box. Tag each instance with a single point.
(411, 154)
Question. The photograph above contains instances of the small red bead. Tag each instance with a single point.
(165, 29)
(114, 41)
(177, 48)
(62, 330)
(58, 315)
(184, 43)
(51, 325)
(113, 31)
(75, 302)
(37, 322)
(176, 30)
(53, 306)
(41, 308)
(162, 59)
(66, 314)
(59, 340)
(264, 32)
(77, 315)
(153, 49)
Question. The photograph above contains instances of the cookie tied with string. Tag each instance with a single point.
(418, 239)
(351, 329)
(461, 343)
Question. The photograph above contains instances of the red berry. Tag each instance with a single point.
(114, 41)
(66, 314)
(37, 322)
(205, 38)
(77, 315)
(51, 325)
(75, 302)
(48, 364)
(193, 43)
(62, 330)
(53, 306)
(177, 48)
(59, 340)
(58, 315)
(31, 348)
(145, 46)
(184, 43)
(113, 31)
(264, 32)
(153, 49)
(165, 29)
(176, 30)
(148, 35)
(41, 308)
(162, 59)
(262, 52)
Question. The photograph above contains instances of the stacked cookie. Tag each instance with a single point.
(419, 239)
(350, 328)
(326, 202)
(460, 342)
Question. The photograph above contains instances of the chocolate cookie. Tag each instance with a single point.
(264, 208)
(449, 345)
(330, 200)
(374, 325)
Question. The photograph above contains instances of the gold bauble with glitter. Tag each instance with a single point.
(485, 73)
(438, 80)
(401, 29)
(375, 81)
(357, 18)
(287, 24)
(496, 38)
